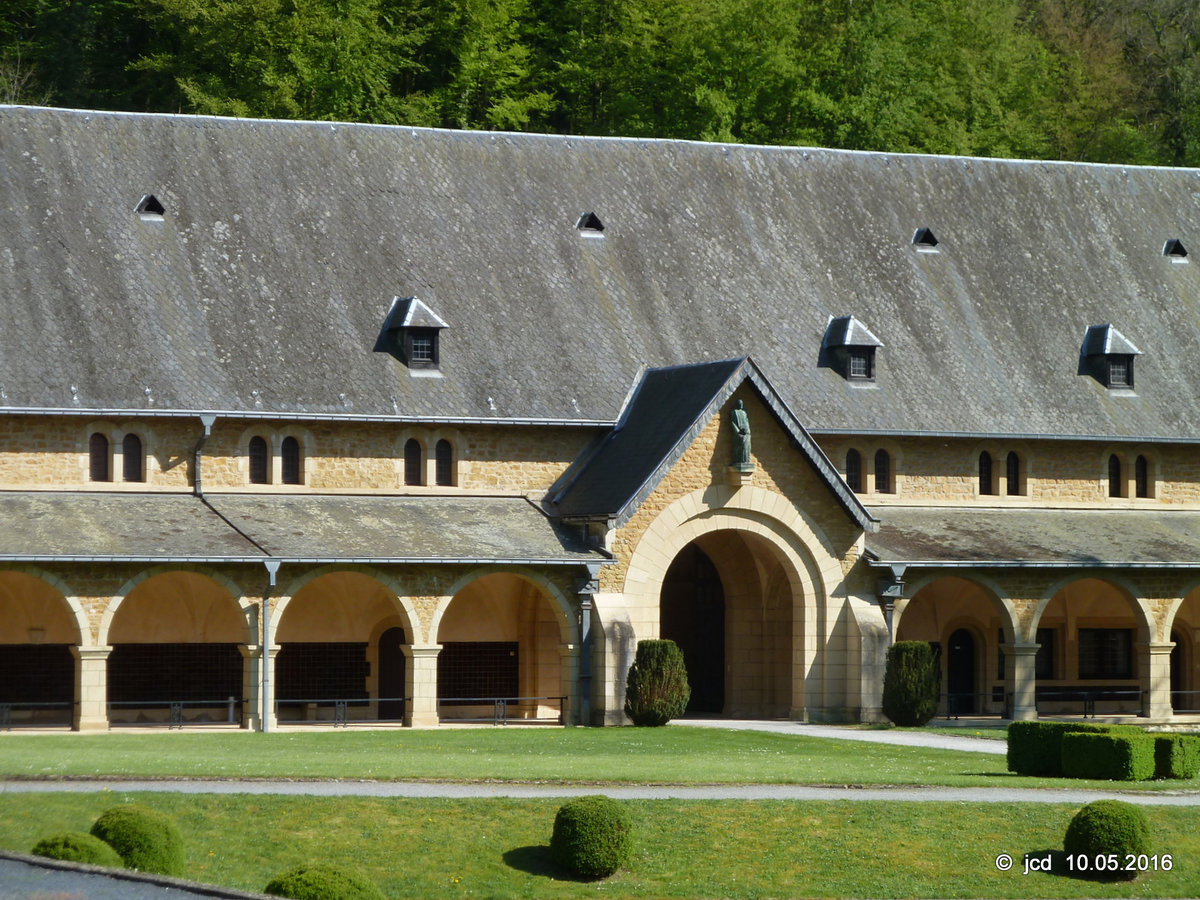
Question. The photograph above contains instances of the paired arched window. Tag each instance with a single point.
(291, 461)
(985, 473)
(883, 472)
(133, 465)
(414, 462)
(259, 454)
(444, 463)
(854, 473)
(98, 461)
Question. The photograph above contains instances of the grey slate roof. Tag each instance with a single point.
(1043, 538)
(667, 410)
(282, 244)
(252, 527)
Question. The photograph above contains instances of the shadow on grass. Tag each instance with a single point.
(536, 860)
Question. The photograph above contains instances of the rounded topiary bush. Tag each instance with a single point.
(593, 836)
(146, 840)
(657, 689)
(1104, 830)
(323, 882)
(911, 683)
(76, 846)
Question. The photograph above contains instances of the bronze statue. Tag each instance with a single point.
(741, 437)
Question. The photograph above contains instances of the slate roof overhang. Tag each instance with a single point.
(228, 528)
(963, 537)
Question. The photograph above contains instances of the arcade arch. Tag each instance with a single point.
(39, 631)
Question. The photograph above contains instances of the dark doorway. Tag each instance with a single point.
(391, 674)
(693, 616)
(960, 673)
(1179, 700)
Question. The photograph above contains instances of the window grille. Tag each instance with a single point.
(444, 459)
(854, 471)
(290, 461)
(155, 673)
(36, 673)
(1118, 372)
(259, 461)
(478, 669)
(98, 466)
(132, 464)
(321, 671)
(1105, 653)
(413, 462)
(883, 472)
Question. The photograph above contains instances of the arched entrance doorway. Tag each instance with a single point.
(391, 673)
(37, 667)
(960, 673)
(727, 599)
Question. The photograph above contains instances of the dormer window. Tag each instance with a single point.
(849, 348)
(1107, 355)
(412, 334)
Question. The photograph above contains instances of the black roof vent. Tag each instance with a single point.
(1175, 251)
(924, 240)
(150, 206)
(589, 223)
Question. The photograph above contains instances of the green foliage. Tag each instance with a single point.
(323, 882)
(75, 846)
(1109, 827)
(1176, 756)
(1035, 748)
(1108, 757)
(656, 689)
(146, 840)
(911, 683)
(593, 836)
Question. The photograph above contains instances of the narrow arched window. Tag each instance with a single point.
(260, 458)
(1012, 473)
(98, 468)
(1114, 477)
(985, 473)
(132, 464)
(854, 471)
(290, 462)
(1141, 476)
(444, 463)
(413, 462)
(883, 472)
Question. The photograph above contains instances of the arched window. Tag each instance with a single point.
(1114, 477)
(290, 462)
(260, 457)
(1012, 473)
(444, 462)
(98, 467)
(883, 472)
(413, 462)
(985, 473)
(132, 464)
(854, 471)
(1141, 476)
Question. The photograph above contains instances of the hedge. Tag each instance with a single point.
(146, 840)
(323, 882)
(911, 682)
(657, 689)
(1105, 832)
(1035, 748)
(1108, 757)
(1176, 756)
(592, 837)
(76, 846)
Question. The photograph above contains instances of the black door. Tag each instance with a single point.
(960, 673)
(391, 674)
(693, 616)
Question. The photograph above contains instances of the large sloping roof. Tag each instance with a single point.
(263, 286)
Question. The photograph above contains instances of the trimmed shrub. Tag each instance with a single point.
(323, 882)
(911, 683)
(593, 836)
(76, 846)
(1108, 757)
(1104, 828)
(1035, 748)
(146, 840)
(656, 690)
(1176, 756)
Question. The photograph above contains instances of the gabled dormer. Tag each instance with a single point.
(849, 349)
(1107, 355)
(412, 333)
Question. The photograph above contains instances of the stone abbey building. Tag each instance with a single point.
(313, 422)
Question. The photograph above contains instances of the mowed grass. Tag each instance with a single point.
(670, 755)
(498, 848)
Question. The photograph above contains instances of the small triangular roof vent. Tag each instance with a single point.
(149, 205)
(924, 240)
(1175, 251)
(589, 223)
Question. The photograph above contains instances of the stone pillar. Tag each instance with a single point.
(91, 688)
(1021, 679)
(420, 664)
(568, 660)
(1155, 679)
(252, 687)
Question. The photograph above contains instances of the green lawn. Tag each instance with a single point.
(498, 848)
(643, 755)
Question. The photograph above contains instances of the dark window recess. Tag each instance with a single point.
(474, 669)
(414, 462)
(854, 479)
(1105, 653)
(444, 463)
(1141, 477)
(1174, 250)
(1043, 663)
(883, 472)
(259, 461)
(1012, 473)
(1116, 484)
(924, 239)
(290, 462)
(321, 671)
(132, 464)
(149, 205)
(985, 474)
(590, 222)
(98, 462)
(154, 673)
(36, 673)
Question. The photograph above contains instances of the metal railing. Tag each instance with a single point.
(341, 707)
(965, 703)
(8, 721)
(500, 709)
(231, 707)
(1089, 697)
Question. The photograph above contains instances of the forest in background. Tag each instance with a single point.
(1094, 80)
